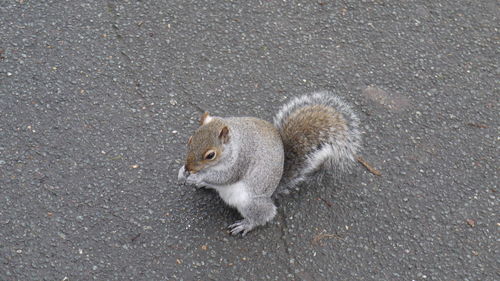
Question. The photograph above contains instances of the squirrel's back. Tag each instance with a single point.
(318, 131)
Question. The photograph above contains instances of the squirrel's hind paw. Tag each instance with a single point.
(243, 226)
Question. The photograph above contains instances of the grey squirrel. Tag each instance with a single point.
(247, 159)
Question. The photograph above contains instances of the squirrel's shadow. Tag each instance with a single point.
(332, 190)
(320, 184)
(328, 194)
(212, 210)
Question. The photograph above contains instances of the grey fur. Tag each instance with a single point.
(337, 149)
(254, 164)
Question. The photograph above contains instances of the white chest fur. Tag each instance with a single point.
(235, 194)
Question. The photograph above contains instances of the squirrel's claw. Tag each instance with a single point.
(243, 226)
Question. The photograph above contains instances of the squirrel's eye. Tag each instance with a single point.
(210, 155)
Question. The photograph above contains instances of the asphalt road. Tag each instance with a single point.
(97, 99)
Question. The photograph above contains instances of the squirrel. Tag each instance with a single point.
(247, 160)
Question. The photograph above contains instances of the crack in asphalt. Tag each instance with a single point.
(283, 227)
(122, 45)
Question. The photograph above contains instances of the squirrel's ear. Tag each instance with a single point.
(205, 118)
(224, 134)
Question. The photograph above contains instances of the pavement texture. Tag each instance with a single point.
(98, 98)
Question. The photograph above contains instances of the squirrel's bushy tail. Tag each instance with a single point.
(318, 131)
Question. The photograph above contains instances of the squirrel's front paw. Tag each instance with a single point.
(195, 179)
(183, 174)
(243, 226)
